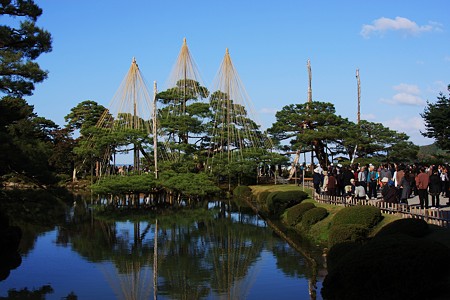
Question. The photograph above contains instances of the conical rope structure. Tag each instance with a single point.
(185, 78)
(234, 127)
(130, 114)
(184, 86)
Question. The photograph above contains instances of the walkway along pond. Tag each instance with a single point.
(431, 216)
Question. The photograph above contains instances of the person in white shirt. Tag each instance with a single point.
(360, 192)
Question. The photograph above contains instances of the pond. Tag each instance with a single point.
(206, 253)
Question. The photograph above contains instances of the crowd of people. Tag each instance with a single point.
(393, 183)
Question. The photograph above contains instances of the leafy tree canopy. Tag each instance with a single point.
(20, 46)
(27, 141)
(437, 121)
(86, 114)
(309, 125)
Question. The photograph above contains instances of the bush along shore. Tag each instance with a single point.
(369, 255)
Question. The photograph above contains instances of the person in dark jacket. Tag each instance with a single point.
(388, 191)
(317, 179)
(434, 187)
(331, 185)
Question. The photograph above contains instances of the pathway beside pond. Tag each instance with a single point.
(439, 217)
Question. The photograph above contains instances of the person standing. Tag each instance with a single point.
(385, 172)
(444, 181)
(422, 180)
(434, 187)
(325, 183)
(332, 184)
(317, 179)
(362, 179)
(406, 187)
(372, 178)
(399, 174)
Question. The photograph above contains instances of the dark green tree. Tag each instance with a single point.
(27, 142)
(437, 121)
(86, 114)
(309, 126)
(183, 118)
(374, 139)
(81, 121)
(20, 46)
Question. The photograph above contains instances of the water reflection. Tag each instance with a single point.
(191, 254)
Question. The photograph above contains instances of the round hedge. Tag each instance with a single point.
(411, 227)
(278, 202)
(347, 233)
(313, 216)
(262, 197)
(296, 212)
(365, 215)
(242, 191)
(391, 267)
(338, 251)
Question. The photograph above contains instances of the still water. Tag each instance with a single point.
(195, 254)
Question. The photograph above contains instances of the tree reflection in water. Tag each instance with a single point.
(200, 253)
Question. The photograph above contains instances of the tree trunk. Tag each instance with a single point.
(319, 149)
(74, 175)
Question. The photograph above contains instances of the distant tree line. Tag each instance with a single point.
(35, 149)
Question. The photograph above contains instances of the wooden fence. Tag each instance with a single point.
(431, 216)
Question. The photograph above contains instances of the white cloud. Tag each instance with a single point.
(408, 94)
(408, 99)
(412, 127)
(407, 88)
(408, 27)
(368, 117)
(406, 125)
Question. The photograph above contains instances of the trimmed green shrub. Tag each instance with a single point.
(313, 216)
(391, 267)
(262, 197)
(242, 191)
(347, 233)
(296, 212)
(411, 227)
(338, 251)
(278, 202)
(365, 215)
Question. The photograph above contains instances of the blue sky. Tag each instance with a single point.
(402, 49)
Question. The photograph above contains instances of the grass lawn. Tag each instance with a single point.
(257, 189)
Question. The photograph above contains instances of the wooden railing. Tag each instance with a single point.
(431, 216)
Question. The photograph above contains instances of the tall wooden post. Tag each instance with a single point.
(155, 135)
(135, 123)
(308, 64)
(358, 114)
(358, 117)
(309, 82)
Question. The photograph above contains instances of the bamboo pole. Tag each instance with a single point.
(155, 135)
(358, 117)
(308, 64)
